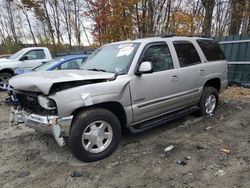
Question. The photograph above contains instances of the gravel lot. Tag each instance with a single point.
(212, 152)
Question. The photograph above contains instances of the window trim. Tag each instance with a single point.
(189, 42)
(145, 49)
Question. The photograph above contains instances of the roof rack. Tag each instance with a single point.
(168, 35)
(174, 35)
(202, 36)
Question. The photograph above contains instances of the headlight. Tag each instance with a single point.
(46, 103)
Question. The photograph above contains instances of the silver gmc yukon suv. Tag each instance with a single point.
(129, 85)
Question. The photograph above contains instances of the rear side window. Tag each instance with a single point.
(211, 50)
(187, 53)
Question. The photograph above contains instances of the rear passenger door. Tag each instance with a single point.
(215, 64)
(189, 75)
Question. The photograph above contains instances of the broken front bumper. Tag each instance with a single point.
(54, 125)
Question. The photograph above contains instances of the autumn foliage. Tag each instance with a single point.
(116, 20)
(113, 19)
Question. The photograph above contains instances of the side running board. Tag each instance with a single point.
(138, 128)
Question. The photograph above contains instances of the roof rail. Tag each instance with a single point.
(173, 35)
(202, 36)
(168, 35)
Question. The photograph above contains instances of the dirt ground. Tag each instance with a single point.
(30, 159)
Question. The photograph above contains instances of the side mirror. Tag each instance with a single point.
(145, 67)
(24, 58)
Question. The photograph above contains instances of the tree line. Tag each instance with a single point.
(71, 23)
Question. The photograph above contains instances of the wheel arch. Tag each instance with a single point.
(7, 70)
(115, 107)
(214, 82)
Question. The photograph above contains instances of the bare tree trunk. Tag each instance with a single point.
(66, 15)
(2, 30)
(11, 20)
(207, 24)
(237, 9)
(144, 19)
(85, 32)
(48, 21)
(56, 21)
(168, 11)
(28, 21)
(151, 13)
(246, 19)
(138, 20)
(76, 21)
(2, 35)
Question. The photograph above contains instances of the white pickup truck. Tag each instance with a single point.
(27, 58)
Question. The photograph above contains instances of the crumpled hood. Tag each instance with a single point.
(43, 80)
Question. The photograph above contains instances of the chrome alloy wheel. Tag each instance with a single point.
(210, 104)
(97, 136)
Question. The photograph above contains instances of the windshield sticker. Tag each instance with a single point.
(125, 51)
(125, 45)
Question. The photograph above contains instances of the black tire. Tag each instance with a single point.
(207, 91)
(80, 123)
(4, 74)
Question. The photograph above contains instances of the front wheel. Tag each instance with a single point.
(209, 101)
(4, 79)
(94, 135)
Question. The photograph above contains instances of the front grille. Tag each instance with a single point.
(29, 103)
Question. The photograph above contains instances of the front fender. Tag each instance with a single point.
(111, 91)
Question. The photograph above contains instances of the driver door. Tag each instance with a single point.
(152, 93)
(32, 59)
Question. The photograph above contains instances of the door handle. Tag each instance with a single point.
(202, 72)
(175, 78)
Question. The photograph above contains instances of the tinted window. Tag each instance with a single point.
(159, 56)
(211, 50)
(35, 54)
(187, 54)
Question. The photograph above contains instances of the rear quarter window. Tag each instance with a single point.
(211, 50)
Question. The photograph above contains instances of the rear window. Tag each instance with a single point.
(211, 50)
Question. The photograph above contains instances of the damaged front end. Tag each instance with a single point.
(45, 101)
(40, 113)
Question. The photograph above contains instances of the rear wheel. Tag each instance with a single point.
(4, 79)
(209, 101)
(95, 134)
